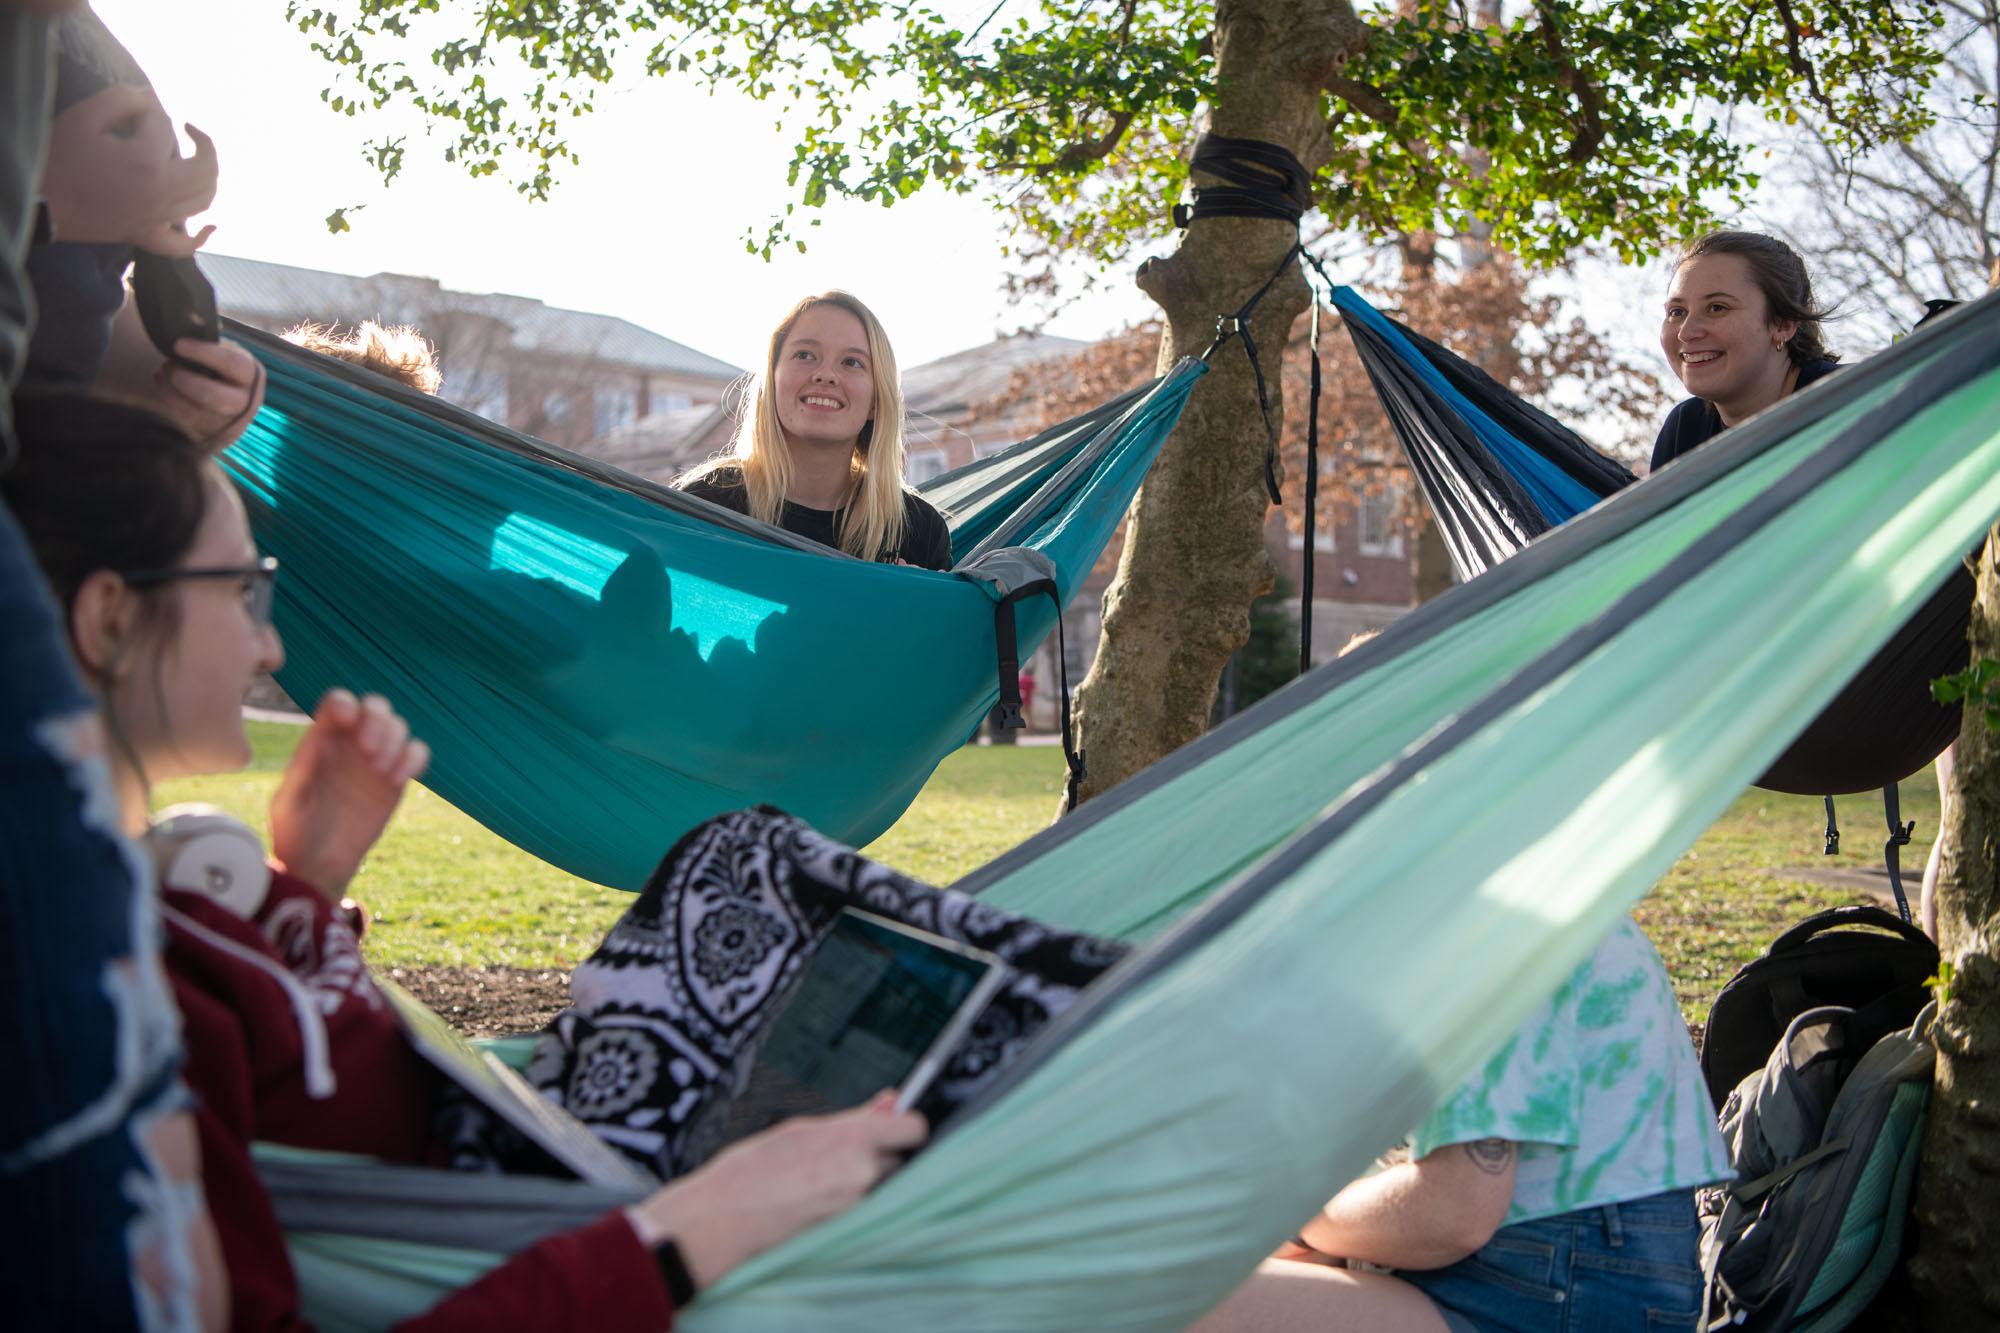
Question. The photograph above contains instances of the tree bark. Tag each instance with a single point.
(1958, 1180)
(1194, 556)
(1958, 1185)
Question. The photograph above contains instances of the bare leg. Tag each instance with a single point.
(1282, 1296)
(1927, 901)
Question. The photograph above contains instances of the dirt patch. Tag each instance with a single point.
(488, 1001)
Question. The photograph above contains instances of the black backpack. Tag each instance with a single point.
(1825, 1141)
(1860, 958)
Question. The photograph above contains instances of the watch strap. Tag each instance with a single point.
(674, 1272)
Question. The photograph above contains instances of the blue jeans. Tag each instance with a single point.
(1623, 1266)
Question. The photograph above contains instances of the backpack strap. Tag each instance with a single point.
(1712, 1239)
(1836, 918)
(1749, 1191)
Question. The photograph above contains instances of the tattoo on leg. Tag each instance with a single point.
(1491, 1155)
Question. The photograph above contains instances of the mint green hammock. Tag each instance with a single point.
(599, 663)
(1351, 893)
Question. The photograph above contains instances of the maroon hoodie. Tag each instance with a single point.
(288, 1041)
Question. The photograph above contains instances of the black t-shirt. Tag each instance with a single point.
(1694, 421)
(926, 539)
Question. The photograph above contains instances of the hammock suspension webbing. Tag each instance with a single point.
(1006, 639)
(1266, 181)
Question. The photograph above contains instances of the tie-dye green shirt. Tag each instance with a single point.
(1600, 1089)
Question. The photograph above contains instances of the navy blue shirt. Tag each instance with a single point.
(1694, 421)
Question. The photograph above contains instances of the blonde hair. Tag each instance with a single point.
(873, 517)
(398, 351)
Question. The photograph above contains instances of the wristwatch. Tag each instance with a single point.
(674, 1272)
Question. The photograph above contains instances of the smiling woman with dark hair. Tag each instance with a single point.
(819, 450)
(1741, 330)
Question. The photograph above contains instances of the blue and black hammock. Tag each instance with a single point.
(1498, 473)
(599, 662)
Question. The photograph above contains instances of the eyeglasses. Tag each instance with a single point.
(259, 582)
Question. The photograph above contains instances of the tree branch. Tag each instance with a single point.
(1591, 132)
(1362, 98)
(1081, 153)
(1795, 56)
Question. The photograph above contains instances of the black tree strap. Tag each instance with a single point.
(1265, 181)
(1311, 516)
(1007, 641)
(1832, 831)
(1899, 837)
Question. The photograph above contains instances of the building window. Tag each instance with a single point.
(556, 407)
(1380, 534)
(482, 390)
(1322, 538)
(671, 400)
(616, 408)
(922, 464)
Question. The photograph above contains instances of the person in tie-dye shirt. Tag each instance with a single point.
(1554, 1189)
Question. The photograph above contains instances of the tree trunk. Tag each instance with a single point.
(1194, 556)
(1958, 1185)
(1958, 1181)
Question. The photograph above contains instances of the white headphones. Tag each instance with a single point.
(199, 848)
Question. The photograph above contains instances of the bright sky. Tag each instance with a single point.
(650, 227)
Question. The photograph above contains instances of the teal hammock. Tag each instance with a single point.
(598, 663)
(1350, 894)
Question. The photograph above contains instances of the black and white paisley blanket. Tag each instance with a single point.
(667, 1017)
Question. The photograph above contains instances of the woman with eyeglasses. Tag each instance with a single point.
(288, 1039)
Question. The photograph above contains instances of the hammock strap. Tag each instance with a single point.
(1899, 836)
(1238, 325)
(1311, 515)
(1832, 831)
(1007, 642)
(1266, 180)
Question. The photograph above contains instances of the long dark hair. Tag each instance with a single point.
(102, 485)
(1781, 275)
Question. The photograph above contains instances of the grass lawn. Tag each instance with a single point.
(443, 890)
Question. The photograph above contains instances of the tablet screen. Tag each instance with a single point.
(876, 1000)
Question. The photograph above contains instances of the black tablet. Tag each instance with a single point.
(882, 1005)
